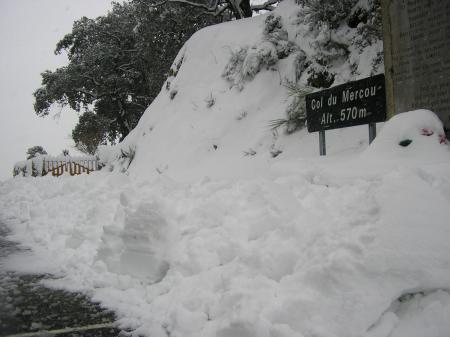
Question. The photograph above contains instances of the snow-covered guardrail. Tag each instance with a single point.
(73, 167)
(56, 166)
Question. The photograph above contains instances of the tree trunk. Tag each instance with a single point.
(122, 121)
(246, 9)
(240, 8)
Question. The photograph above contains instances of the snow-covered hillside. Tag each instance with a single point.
(222, 227)
(213, 117)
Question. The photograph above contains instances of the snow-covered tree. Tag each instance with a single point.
(34, 151)
(90, 132)
(226, 9)
(117, 64)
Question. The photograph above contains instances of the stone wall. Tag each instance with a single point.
(418, 55)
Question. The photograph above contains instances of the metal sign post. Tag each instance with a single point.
(322, 144)
(372, 132)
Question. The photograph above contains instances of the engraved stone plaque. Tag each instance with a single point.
(417, 55)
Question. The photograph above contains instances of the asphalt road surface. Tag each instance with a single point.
(29, 309)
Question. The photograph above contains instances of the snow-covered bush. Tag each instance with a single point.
(245, 63)
(30, 167)
(328, 51)
(210, 101)
(173, 71)
(368, 23)
(300, 64)
(273, 24)
(21, 168)
(331, 12)
(233, 69)
(336, 29)
(35, 151)
(173, 93)
(296, 109)
(126, 157)
(319, 75)
(278, 36)
(359, 15)
(115, 158)
(263, 55)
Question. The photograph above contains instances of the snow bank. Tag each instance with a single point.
(408, 134)
(304, 252)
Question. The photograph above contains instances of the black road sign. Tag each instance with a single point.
(350, 104)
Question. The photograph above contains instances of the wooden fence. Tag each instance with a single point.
(58, 167)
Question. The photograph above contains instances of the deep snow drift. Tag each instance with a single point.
(209, 233)
(335, 246)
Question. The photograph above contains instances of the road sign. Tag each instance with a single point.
(349, 104)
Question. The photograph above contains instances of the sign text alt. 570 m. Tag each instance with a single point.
(346, 114)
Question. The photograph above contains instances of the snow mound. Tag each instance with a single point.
(416, 315)
(136, 243)
(415, 135)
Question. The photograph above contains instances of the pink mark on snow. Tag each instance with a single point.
(426, 132)
(429, 132)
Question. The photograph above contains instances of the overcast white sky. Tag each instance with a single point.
(29, 31)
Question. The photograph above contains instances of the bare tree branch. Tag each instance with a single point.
(216, 7)
(137, 104)
(91, 78)
(187, 2)
(221, 9)
(126, 66)
(87, 93)
(268, 5)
